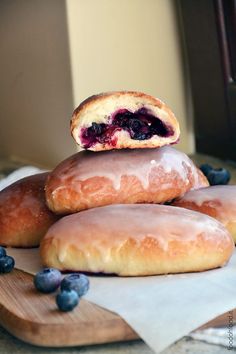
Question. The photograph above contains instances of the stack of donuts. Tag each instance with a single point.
(107, 209)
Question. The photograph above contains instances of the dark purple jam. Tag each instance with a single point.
(141, 125)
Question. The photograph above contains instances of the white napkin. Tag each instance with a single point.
(18, 174)
(221, 336)
(161, 309)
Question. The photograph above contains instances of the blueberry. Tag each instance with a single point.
(205, 168)
(141, 136)
(77, 282)
(135, 125)
(124, 123)
(47, 280)
(159, 128)
(67, 300)
(122, 119)
(3, 252)
(7, 263)
(128, 114)
(95, 129)
(218, 176)
(142, 111)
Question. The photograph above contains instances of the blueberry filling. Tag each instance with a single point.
(96, 129)
(141, 125)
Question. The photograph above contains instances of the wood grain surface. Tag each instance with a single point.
(34, 318)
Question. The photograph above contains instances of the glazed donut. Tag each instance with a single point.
(216, 201)
(91, 179)
(136, 240)
(24, 216)
(123, 119)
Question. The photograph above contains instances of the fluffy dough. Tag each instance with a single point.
(103, 109)
(88, 179)
(24, 216)
(216, 201)
(136, 240)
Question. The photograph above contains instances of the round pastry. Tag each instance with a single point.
(24, 216)
(216, 201)
(123, 119)
(88, 179)
(136, 240)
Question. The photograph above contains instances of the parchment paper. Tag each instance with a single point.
(161, 309)
(18, 174)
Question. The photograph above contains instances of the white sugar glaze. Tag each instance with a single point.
(137, 162)
(110, 227)
(223, 198)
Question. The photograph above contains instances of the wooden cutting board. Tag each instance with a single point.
(34, 318)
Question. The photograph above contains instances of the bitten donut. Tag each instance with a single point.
(123, 119)
(88, 179)
(136, 240)
(24, 216)
(216, 201)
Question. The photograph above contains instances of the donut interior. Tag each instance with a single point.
(141, 125)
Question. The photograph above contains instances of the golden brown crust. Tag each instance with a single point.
(99, 108)
(24, 216)
(136, 240)
(216, 201)
(104, 95)
(88, 180)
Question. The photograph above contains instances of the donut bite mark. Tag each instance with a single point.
(123, 119)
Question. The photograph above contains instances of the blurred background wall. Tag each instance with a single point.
(55, 53)
(36, 90)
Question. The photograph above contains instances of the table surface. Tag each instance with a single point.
(9, 344)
